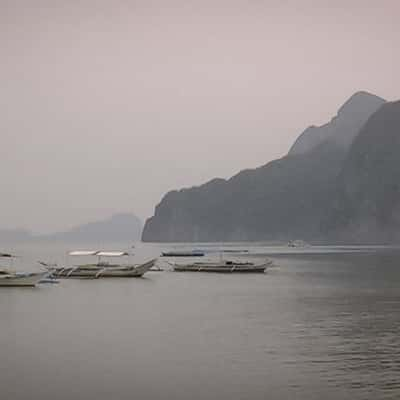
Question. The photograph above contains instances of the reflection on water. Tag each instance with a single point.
(316, 326)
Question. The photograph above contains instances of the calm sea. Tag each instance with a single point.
(324, 324)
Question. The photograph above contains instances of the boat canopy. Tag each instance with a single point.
(98, 253)
(83, 253)
(111, 253)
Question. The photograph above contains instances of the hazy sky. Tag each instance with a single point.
(107, 105)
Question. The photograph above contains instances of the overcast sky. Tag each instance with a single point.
(107, 105)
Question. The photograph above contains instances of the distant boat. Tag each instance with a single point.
(297, 243)
(101, 269)
(49, 279)
(235, 251)
(223, 266)
(9, 278)
(6, 255)
(13, 278)
(183, 253)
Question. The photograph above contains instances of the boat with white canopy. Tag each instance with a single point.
(103, 268)
(10, 277)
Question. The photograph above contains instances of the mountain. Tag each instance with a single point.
(281, 200)
(118, 228)
(343, 128)
(122, 227)
(284, 199)
(366, 207)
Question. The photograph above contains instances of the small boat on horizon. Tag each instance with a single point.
(298, 243)
(235, 251)
(183, 253)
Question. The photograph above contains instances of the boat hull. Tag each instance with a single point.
(134, 271)
(183, 254)
(259, 270)
(244, 268)
(92, 274)
(27, 280)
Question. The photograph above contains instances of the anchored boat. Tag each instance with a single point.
(101, 269)
(183, 253)
(223, 266)
(9, 277)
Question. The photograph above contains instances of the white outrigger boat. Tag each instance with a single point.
(9, 277)
(223, 266)
(101, 269)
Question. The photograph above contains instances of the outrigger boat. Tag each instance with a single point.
(101, 269)
(10, 278)
(223, 266)
(13, 278)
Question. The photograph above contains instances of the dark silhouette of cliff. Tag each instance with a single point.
(284, 199)
(366, 207)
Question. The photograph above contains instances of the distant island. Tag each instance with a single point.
(122, 227)
(339, 183)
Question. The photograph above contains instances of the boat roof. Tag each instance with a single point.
(99, 253)
(83, 252)
(112, 253)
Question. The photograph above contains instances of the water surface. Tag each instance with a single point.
(319, 325)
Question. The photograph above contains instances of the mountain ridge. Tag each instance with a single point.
(367, 207)
(360, 106)
(284, 199)
(118, 227)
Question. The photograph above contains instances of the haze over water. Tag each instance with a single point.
(315, 326)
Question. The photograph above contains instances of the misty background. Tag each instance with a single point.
(105, 106)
